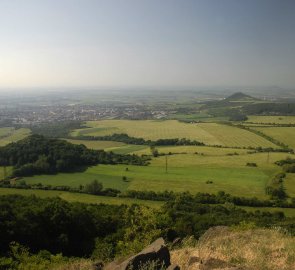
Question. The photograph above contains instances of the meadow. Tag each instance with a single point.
(285, 135)
(276, 119)
(208, 133)
(79, 197)
(4, 172)
(8, 135)
(116, 147)
(289, 184)
(186, 172)
(92, 199)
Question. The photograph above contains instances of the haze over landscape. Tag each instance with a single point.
(152, 43)
(147, 135)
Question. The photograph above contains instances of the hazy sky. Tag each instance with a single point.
(161, 43)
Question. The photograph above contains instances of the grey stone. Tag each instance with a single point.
(157, 253)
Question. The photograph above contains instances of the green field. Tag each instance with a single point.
(97, 145)
(271, 119)
(85, 198)
(116, 147)
(8, 135)
(289, 184)
(78, 197)
(190, 149)
(285, 135)
(186, 172)
(4, 132)
(4, 172)
(209, 133)
(289, 212)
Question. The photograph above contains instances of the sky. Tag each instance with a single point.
(147, 43)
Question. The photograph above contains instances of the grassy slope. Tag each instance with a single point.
(13, 135)
(259, 249)
(289, 184)
(190, 149)
(209, 133)
(97, 145)
(116, 147)
(271, 119)
(77, 197)
(186, 172)
(6, 131)
(2, 172)
(283, 134)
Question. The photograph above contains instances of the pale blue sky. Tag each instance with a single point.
(154, 43)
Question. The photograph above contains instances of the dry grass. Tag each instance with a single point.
(82, 264)
(259, 249)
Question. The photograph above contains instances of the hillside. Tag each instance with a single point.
(238, 249)
(239, 96)
(222, 248)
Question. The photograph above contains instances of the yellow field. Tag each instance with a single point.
(5, 171)
(285, 135)
(97, 145)
(289, 184)
(6, 131)
(12, 135)
(78, 197)
(209, 133)
(190, 149)
(271, 119)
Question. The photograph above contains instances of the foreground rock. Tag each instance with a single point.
(156, 254)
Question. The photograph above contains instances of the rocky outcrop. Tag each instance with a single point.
(156, 254)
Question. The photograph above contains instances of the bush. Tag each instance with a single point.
(251, 164)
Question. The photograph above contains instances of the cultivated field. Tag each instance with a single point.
(209, 133)
(116, 147)
(186, 172)
(285, 135)
(271, 119)
(4, 132)
(4, 172)
(191, 149)
(289, 184)
(8, 135)
(78, 197)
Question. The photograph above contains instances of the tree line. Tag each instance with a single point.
(106, 231)
(125, 138)
(37, 154)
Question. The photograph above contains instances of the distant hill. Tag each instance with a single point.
(239, 96)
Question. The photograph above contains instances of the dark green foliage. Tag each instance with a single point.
(238, 117)
(40, 155)
(94, 188)
(251, 164)
(270, 108)
(285, 161)
(190, 217)
(289, 168)
(76, 229)
(55, 225)
(125, 138)
(288, 165)
(206, 198)
(154, 151)
(277, 193)
(56, 129)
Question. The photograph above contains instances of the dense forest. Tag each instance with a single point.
(125, 138)
(37, 154)
(76, 229)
